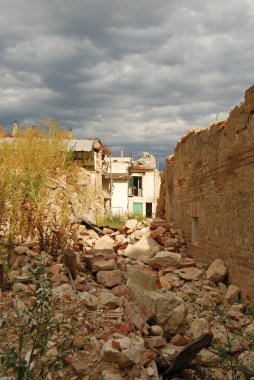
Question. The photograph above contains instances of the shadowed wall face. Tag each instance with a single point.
(213, 193)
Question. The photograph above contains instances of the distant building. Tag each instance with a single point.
(89, 153)
(132, 186)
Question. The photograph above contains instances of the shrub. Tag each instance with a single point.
(118, 220)
(30, 356)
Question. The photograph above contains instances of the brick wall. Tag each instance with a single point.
(211, 188)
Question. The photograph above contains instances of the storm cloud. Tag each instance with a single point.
(137, 75)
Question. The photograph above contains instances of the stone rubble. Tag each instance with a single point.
(136, 300)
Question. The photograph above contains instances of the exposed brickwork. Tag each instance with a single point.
(213, 180)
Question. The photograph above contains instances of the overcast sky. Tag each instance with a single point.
(137, 74)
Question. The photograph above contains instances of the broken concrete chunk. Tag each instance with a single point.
(190, 274)
(247, 360)
(124, 351)
(63, 291)
(109, 278)
(90, 300)
(21, 250)
(165, 259)
(109, 300)
(131, 223)
(108, 375)
(145, 278)
(143, 250)
(166, 309)
(208, 358)
(232, 294)
(80, 366)
(102, 264)
(158, 232)
(216, 272)
(156, 341)
(199, 327)
(180, 340)
(156, 330)
(105, 242)
(250, 329)
(156, 222)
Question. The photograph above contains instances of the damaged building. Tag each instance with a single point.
(132, 186)
(208, 190)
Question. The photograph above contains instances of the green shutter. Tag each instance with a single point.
(138, 208)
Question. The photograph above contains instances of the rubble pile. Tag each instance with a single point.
(137, 306)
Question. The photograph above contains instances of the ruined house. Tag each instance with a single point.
(89, 153)
(133, 186)
(208, 190)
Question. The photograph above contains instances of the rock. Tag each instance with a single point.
(235, 314)
(145, 278)
(158, 232)
(105, 242)
(12, 275)
(232, 294)
(193, 274)
(18, 288)
(131, 223)
(55, 269)
(247, 360)
(143, 250)
(80, 366)
(165, 259)
(109, 300)
(166, 309)
(108, 375)
(79, 342)
(180, 340)
(217, 271)
(250, 329)
(170, 350)
(226, 339)
(21, 250)
(199, 327)
(63, 291)
(208, 358)
(188, 264)
(24, 278)
(109, 279)
(173, 279)
(156, 341)
(124, 351)
(102, 264)
(152, 370)
(138, 234)
(205, 302)
(156, 330)
(90, 300)
(157, 222)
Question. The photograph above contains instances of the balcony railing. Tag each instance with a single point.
(134, 191)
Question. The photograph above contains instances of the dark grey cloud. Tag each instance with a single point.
(136, 74)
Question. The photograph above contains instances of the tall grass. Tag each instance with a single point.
(28, 164)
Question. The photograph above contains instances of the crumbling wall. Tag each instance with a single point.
(213, 190)
(165, 201)
(84, 192)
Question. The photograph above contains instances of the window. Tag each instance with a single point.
(135, 186)
(195, 230)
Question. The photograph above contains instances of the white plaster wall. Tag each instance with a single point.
(119, 202)
(119, 167)
(148, 185)
(151, 185)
